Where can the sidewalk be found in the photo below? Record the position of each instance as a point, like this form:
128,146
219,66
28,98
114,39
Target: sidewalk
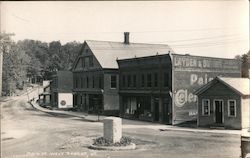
134,124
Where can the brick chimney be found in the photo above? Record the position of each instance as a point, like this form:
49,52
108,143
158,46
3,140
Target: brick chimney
126,37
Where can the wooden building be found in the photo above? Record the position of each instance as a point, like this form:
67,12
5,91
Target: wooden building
95,72
61,86
58,94
45,97
189,73
161,88
224,102
145,86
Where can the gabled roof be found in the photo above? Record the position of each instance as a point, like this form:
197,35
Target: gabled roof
239,85
108,52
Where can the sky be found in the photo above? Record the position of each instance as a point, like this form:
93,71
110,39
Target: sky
206,28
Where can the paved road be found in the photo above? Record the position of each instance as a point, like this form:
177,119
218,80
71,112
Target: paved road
27,132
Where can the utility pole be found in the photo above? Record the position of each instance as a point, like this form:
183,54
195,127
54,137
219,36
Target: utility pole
4,43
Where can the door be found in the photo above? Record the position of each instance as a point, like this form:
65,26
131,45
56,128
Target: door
218,111
156,109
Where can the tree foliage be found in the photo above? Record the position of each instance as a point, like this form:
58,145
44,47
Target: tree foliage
27,59
245,64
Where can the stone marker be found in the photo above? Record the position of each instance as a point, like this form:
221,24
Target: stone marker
112,129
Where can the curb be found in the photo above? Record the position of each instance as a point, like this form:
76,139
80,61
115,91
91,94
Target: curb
132,146
56,113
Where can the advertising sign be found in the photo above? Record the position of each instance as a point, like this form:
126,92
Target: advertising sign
65,100
190,73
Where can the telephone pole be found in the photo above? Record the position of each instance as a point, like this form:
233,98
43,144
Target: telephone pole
4,43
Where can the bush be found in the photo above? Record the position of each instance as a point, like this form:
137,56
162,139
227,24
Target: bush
105,142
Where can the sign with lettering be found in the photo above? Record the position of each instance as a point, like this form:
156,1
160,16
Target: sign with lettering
189,74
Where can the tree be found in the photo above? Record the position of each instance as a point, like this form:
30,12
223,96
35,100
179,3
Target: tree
245,63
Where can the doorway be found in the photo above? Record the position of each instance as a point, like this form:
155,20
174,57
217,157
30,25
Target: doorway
218,105
156,109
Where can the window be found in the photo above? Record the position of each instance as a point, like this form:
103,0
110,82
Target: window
100,81
76,82
123,81
113,81
205,107
232,108
93,82
87,82
129,80
134,80
91,64
156,80
142,80
86,61
149,80
81,82
165,80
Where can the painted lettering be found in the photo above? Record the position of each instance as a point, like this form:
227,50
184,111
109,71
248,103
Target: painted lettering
200,80
183,96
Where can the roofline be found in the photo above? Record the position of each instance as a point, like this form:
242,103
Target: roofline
128,59
209,84
204,56
127,44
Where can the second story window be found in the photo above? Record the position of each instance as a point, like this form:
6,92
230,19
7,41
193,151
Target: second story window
156,80
123,81
81,82
93,82
134,80
129,80
149,80
100,81
166,80
76,82
142,80
86,62
113,81
87,82
91,64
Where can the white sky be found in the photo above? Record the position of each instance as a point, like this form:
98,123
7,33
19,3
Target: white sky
207,28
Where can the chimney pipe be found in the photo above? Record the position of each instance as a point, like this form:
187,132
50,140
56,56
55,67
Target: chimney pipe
126,37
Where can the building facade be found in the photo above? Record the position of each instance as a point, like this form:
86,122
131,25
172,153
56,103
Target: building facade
224,102
95,73
145,86
191,72
61,89
172,100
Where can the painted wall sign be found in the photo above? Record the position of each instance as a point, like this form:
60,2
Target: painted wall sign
190,73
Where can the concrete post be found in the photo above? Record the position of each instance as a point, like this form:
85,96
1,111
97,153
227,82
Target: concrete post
112,129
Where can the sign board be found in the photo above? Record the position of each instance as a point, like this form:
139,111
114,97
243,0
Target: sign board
65,100
190,73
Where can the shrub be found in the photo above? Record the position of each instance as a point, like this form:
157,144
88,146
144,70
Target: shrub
105,142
